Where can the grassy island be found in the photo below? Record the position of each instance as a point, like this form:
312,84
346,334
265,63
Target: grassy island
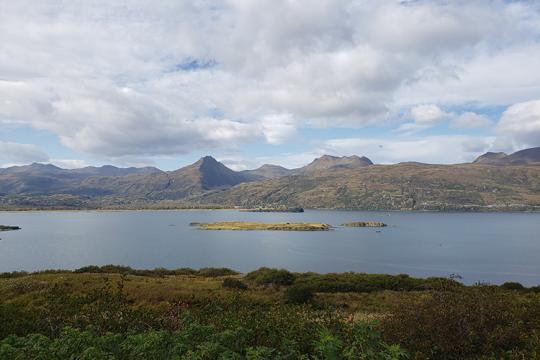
278,209
365,224
9,228
243,225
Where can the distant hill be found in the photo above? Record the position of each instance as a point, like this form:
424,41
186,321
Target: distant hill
523,157
109,170
327,162
267,171
495,181
46,178
406,186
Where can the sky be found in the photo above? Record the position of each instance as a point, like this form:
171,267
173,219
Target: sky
163,83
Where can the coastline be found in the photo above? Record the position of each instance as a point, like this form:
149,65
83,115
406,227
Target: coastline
501,210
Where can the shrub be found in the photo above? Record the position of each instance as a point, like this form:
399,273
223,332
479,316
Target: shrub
13,274
358,282
267,276
231,283
298,294
457,324
216,272
512,286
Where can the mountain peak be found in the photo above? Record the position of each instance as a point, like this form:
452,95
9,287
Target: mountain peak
208,173
207,161
267,171
489,157
326,162
522,157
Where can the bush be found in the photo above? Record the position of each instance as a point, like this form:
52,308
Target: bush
196,341
157,272
458,324
216,272
298,294
231,283
512,286
267,276
358,282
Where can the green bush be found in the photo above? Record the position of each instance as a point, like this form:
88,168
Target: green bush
460,324
216,272
231,283
194,341
157,272
512,286
298,294
267,276
358,282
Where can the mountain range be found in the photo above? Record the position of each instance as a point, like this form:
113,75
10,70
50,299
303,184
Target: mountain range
493,181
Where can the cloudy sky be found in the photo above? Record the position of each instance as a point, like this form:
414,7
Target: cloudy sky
162,83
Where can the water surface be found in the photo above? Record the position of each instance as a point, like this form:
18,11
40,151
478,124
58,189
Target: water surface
488,247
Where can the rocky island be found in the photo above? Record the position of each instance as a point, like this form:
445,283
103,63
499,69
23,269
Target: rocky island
9,228
365,224
243,225
277,209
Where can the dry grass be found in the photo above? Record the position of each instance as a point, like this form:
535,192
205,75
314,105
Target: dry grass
142,290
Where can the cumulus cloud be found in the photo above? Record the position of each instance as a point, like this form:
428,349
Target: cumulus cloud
278,128
135,78
430,149
424,117
15,153
522,123
470,120
69,163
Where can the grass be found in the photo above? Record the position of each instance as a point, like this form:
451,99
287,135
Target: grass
365,224
242,225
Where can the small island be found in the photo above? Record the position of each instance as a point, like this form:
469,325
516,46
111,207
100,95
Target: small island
278,209
9,228
365,224
243,225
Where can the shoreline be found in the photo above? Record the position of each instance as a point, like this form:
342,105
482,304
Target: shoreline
412,211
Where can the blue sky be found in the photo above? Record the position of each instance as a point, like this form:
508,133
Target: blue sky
132,83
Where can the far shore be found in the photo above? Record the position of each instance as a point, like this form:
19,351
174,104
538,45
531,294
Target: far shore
241,209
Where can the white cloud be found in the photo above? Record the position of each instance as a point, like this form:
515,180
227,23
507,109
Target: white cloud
135,78
69,163
15,153
429,114
278,128
521,122
424,117
470,120
430,149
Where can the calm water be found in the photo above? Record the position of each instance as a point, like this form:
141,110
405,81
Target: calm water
480,247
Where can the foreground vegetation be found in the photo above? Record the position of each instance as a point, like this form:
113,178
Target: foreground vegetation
244,225
115,312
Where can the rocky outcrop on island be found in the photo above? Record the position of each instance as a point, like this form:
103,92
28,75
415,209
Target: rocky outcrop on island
9,228
243,225
364,224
